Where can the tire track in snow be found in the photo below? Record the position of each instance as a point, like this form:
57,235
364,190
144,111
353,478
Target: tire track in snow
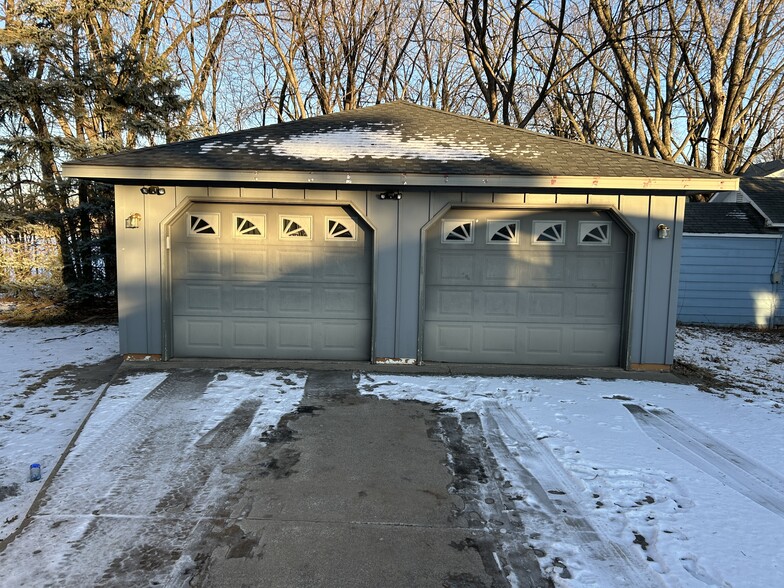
706,453
542,475
134,436
163,476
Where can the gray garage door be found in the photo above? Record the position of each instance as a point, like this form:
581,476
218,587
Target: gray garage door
266,281
525,287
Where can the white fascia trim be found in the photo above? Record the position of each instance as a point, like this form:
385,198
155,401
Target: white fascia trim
734,235
174,175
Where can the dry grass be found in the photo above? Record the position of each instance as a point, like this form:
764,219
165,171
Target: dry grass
38,312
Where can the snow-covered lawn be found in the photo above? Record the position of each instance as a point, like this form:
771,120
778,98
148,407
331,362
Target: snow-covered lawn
42,403
638,481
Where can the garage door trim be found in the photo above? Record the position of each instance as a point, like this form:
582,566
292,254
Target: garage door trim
624,361
187,203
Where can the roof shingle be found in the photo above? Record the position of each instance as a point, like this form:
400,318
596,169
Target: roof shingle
724,218
768,194
399,137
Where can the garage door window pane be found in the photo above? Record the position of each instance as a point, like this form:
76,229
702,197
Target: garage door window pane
204,224
250,225
457,231
295,227
552,232
341,229
503,232
594,233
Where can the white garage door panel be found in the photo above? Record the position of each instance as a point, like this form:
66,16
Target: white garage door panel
524,301
270,294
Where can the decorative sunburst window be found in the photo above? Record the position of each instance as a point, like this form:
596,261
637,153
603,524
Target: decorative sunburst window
552,232
341,229
296,227
250,225
594,233
204,224
457,231
503,232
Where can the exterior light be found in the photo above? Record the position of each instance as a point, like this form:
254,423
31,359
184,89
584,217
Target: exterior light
133,221
156,190
391,195
663,231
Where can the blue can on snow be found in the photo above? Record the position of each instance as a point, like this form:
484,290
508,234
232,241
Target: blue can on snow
35,472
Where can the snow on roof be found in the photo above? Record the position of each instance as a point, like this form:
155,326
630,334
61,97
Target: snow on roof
342,145
396,138
373,142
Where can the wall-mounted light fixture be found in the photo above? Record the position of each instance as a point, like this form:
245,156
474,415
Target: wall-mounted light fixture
156,190
134,221
663,231
390,195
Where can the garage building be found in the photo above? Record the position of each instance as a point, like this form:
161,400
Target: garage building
398,233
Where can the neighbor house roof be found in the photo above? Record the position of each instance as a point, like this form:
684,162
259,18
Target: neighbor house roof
766,168
768,196
398,144
724,218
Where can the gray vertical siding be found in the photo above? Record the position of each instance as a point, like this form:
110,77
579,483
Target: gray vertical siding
725,280
133,297
414,213
658,321
397,242
384,214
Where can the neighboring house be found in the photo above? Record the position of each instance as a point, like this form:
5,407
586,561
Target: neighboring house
732,253
398,233
730,266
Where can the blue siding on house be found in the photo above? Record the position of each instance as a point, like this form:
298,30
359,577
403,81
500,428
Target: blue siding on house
727,281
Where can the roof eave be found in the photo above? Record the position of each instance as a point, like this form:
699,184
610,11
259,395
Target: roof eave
174,175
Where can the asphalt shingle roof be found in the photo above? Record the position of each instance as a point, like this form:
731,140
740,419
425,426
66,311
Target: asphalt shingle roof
765,169
768,194
399,137
724,218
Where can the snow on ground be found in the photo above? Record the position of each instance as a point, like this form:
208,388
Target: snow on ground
674,483
41,405
666,474
155,461
746,363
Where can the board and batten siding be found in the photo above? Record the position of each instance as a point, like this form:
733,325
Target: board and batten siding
398,237
726,280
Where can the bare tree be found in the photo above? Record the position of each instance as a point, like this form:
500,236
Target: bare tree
699,81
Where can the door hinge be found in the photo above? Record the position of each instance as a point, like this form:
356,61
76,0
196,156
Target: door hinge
168,242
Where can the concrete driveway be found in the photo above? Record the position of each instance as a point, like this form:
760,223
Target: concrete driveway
182,487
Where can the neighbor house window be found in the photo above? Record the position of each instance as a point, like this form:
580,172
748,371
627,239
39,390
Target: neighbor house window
594,233
457,231
341,229
203,223
250,225
296,227
553,232
503,232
